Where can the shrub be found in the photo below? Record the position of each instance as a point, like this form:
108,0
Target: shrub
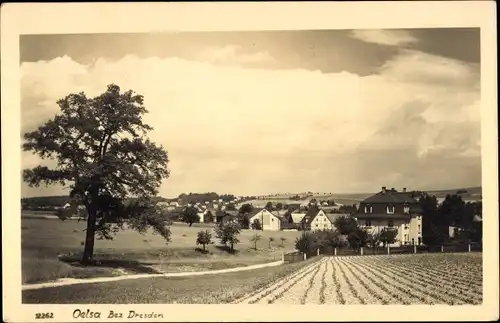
256,225
271,239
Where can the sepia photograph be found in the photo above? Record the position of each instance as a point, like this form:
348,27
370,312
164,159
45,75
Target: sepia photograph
297,166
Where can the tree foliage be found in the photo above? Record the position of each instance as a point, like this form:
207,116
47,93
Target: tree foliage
357,238
204,238
283,239
246,208
332,239
269,206
271,240
255,238
345,225
256,225
190,215
305,242
388,236
103,156
227,233
209,217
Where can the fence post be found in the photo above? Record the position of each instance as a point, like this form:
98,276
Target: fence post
442,249
317,251
414,248
388,250
361,250
469,247
335,251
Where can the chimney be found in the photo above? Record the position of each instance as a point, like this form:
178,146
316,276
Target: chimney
404,189
384,190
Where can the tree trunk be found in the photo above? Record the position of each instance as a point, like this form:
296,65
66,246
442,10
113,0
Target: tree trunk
190,223
203,247
88,251
231,246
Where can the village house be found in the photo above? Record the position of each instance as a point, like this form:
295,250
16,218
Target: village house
271,220
392,209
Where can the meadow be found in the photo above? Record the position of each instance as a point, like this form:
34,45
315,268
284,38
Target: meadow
46,241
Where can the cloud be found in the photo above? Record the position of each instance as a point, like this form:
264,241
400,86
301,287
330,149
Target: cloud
232,54
384,37
251,131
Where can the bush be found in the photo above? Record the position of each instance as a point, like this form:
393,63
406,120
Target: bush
256,225
305,243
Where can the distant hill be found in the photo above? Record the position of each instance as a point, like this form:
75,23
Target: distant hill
467,193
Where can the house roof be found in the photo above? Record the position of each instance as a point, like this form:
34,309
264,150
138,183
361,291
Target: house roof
334,216
254,212
297,217
311,214
391,197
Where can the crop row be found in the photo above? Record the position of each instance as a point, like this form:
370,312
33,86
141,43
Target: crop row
376,280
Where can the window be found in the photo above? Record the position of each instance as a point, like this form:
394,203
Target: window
419,229
390,210
368,209
390,223
368,223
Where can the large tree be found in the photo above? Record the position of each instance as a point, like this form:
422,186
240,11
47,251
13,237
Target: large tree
190,215
103,156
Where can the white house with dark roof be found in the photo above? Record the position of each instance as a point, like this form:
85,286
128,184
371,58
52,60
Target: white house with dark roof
392,209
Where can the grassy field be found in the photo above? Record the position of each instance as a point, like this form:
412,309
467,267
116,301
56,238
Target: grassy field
44,240
212,289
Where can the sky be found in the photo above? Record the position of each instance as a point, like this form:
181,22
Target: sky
250,113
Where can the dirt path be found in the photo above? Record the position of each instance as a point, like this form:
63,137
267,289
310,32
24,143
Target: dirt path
74,281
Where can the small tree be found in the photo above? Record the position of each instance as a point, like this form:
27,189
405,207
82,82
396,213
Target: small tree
373,240
255,238
246,208
304,243
283,239
227,233
271,239
357,239
204,238
346,225
256,225
332,239
190,215
388,236
269,206
243,221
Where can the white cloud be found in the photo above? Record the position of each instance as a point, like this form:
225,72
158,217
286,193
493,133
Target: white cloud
232,54
384,36
241,130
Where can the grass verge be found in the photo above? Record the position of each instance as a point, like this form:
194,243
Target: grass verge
209,289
